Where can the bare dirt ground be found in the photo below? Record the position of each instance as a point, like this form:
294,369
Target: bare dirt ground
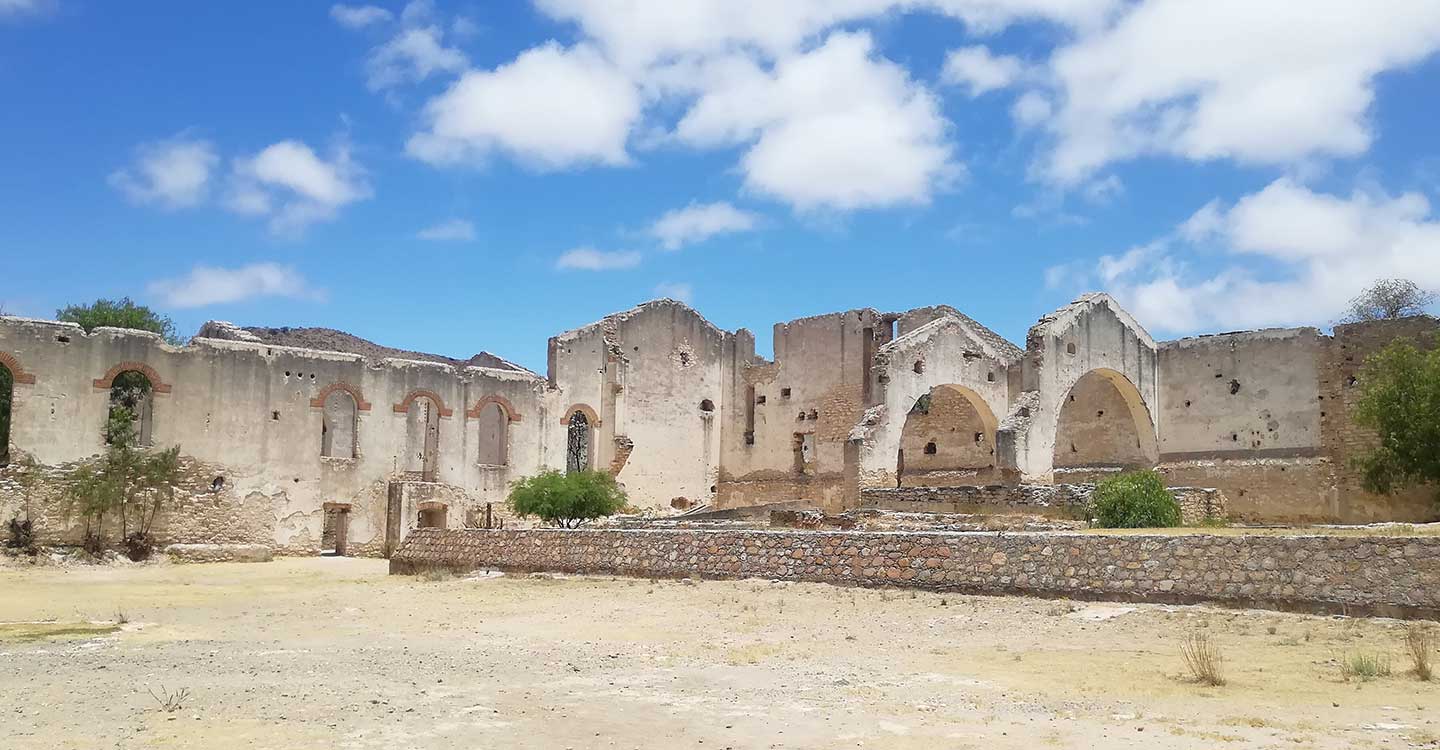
332,652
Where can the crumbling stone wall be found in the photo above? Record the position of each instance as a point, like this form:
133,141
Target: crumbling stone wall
1197,504
1382,575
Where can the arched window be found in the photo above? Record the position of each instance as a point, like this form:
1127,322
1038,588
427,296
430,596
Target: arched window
423,438
494,435
7,395
338,426
577,452
131,407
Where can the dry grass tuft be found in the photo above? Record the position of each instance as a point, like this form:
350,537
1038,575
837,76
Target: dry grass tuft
1420,640
1365,665
1203,658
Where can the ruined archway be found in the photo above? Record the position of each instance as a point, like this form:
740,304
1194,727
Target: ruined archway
1103,422
422,437
7,397
338,426
579,443
132,407
948,439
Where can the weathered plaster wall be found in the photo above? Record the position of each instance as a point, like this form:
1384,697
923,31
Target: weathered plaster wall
1383,575
254,412
1095,427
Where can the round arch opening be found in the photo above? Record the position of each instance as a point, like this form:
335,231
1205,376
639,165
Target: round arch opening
948,439
1103,423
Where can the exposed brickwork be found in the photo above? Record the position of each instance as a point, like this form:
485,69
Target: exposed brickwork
511,413
1385,575
360,403
157,385
18,374
623,447
404,406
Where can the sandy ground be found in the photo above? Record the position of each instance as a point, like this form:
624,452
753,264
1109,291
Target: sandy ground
334,653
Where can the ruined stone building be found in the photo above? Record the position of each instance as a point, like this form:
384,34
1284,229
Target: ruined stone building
297,447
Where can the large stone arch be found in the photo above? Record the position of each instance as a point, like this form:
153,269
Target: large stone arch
1104,422
947,438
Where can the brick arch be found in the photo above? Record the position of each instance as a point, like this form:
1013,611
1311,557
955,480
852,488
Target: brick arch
360,403
504,403
157,385
18,374
590,415
404,406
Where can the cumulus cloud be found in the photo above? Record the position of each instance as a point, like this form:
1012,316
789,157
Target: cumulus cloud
172,174
411,56
978,71
590,259
359,16
835,127
552,107
294,187
1256,82
676,290
698,222
1287,256
451,230
211,285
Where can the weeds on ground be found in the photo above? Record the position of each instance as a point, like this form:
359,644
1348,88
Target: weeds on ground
170,702
1364,665
1420,640
121,616
1203,658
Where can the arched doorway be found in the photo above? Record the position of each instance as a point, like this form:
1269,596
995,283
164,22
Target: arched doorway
422,438
1103,423
7,397
337,428
132,407
578,444
948,439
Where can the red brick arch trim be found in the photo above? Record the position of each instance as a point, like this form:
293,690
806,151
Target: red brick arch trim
505,406
404,406
590,415
156,384
18,375
360,403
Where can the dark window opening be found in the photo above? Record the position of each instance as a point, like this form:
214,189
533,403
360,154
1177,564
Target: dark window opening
1070,348
577,450
131,414
919,366
784,393
990,376
931,449
7,396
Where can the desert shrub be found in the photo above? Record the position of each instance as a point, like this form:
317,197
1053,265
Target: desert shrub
1134,500
1420,640
1203,658
20,535
1365,665
567,500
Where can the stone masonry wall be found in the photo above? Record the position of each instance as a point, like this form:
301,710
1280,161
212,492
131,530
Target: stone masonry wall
1197,504
1392,576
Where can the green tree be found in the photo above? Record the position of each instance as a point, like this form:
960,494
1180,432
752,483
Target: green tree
567,500
121,313
127,483
1400,401
1134,500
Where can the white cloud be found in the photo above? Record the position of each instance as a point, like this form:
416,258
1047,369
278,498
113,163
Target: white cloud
1256,82
1291,256
359,16
1031,109
698,222
552,107
590,259
210,285
173,173
978,71
17,8
1104,190
411,56
451,230
676,290
294,187
831,128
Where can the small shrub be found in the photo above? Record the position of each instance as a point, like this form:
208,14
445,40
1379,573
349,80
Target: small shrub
20,535
567,500
1365,665
1203,658
170,702
138,546
1134,500
1420,640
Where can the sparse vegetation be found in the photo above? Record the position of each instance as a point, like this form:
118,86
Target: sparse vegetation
1388,298
567,500
1364,665
20,535
1400,401
1420,641
128,482
1134,500
121,313
1203,658
170,702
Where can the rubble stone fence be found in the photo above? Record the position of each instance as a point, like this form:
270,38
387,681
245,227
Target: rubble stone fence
1362,575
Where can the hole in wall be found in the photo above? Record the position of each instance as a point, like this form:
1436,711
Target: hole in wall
62,338
784,393
287,373
814,414
217,484
274,416
759,399
931,449
919,366
1350,380
707,405
1070,348
1187,403
1234,387
990,376
979,437
1100,413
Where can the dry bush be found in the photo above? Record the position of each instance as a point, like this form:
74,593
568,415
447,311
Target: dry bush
170,702
1365,665
1420,640
1203,658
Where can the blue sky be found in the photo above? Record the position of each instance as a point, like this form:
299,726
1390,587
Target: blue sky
482,175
